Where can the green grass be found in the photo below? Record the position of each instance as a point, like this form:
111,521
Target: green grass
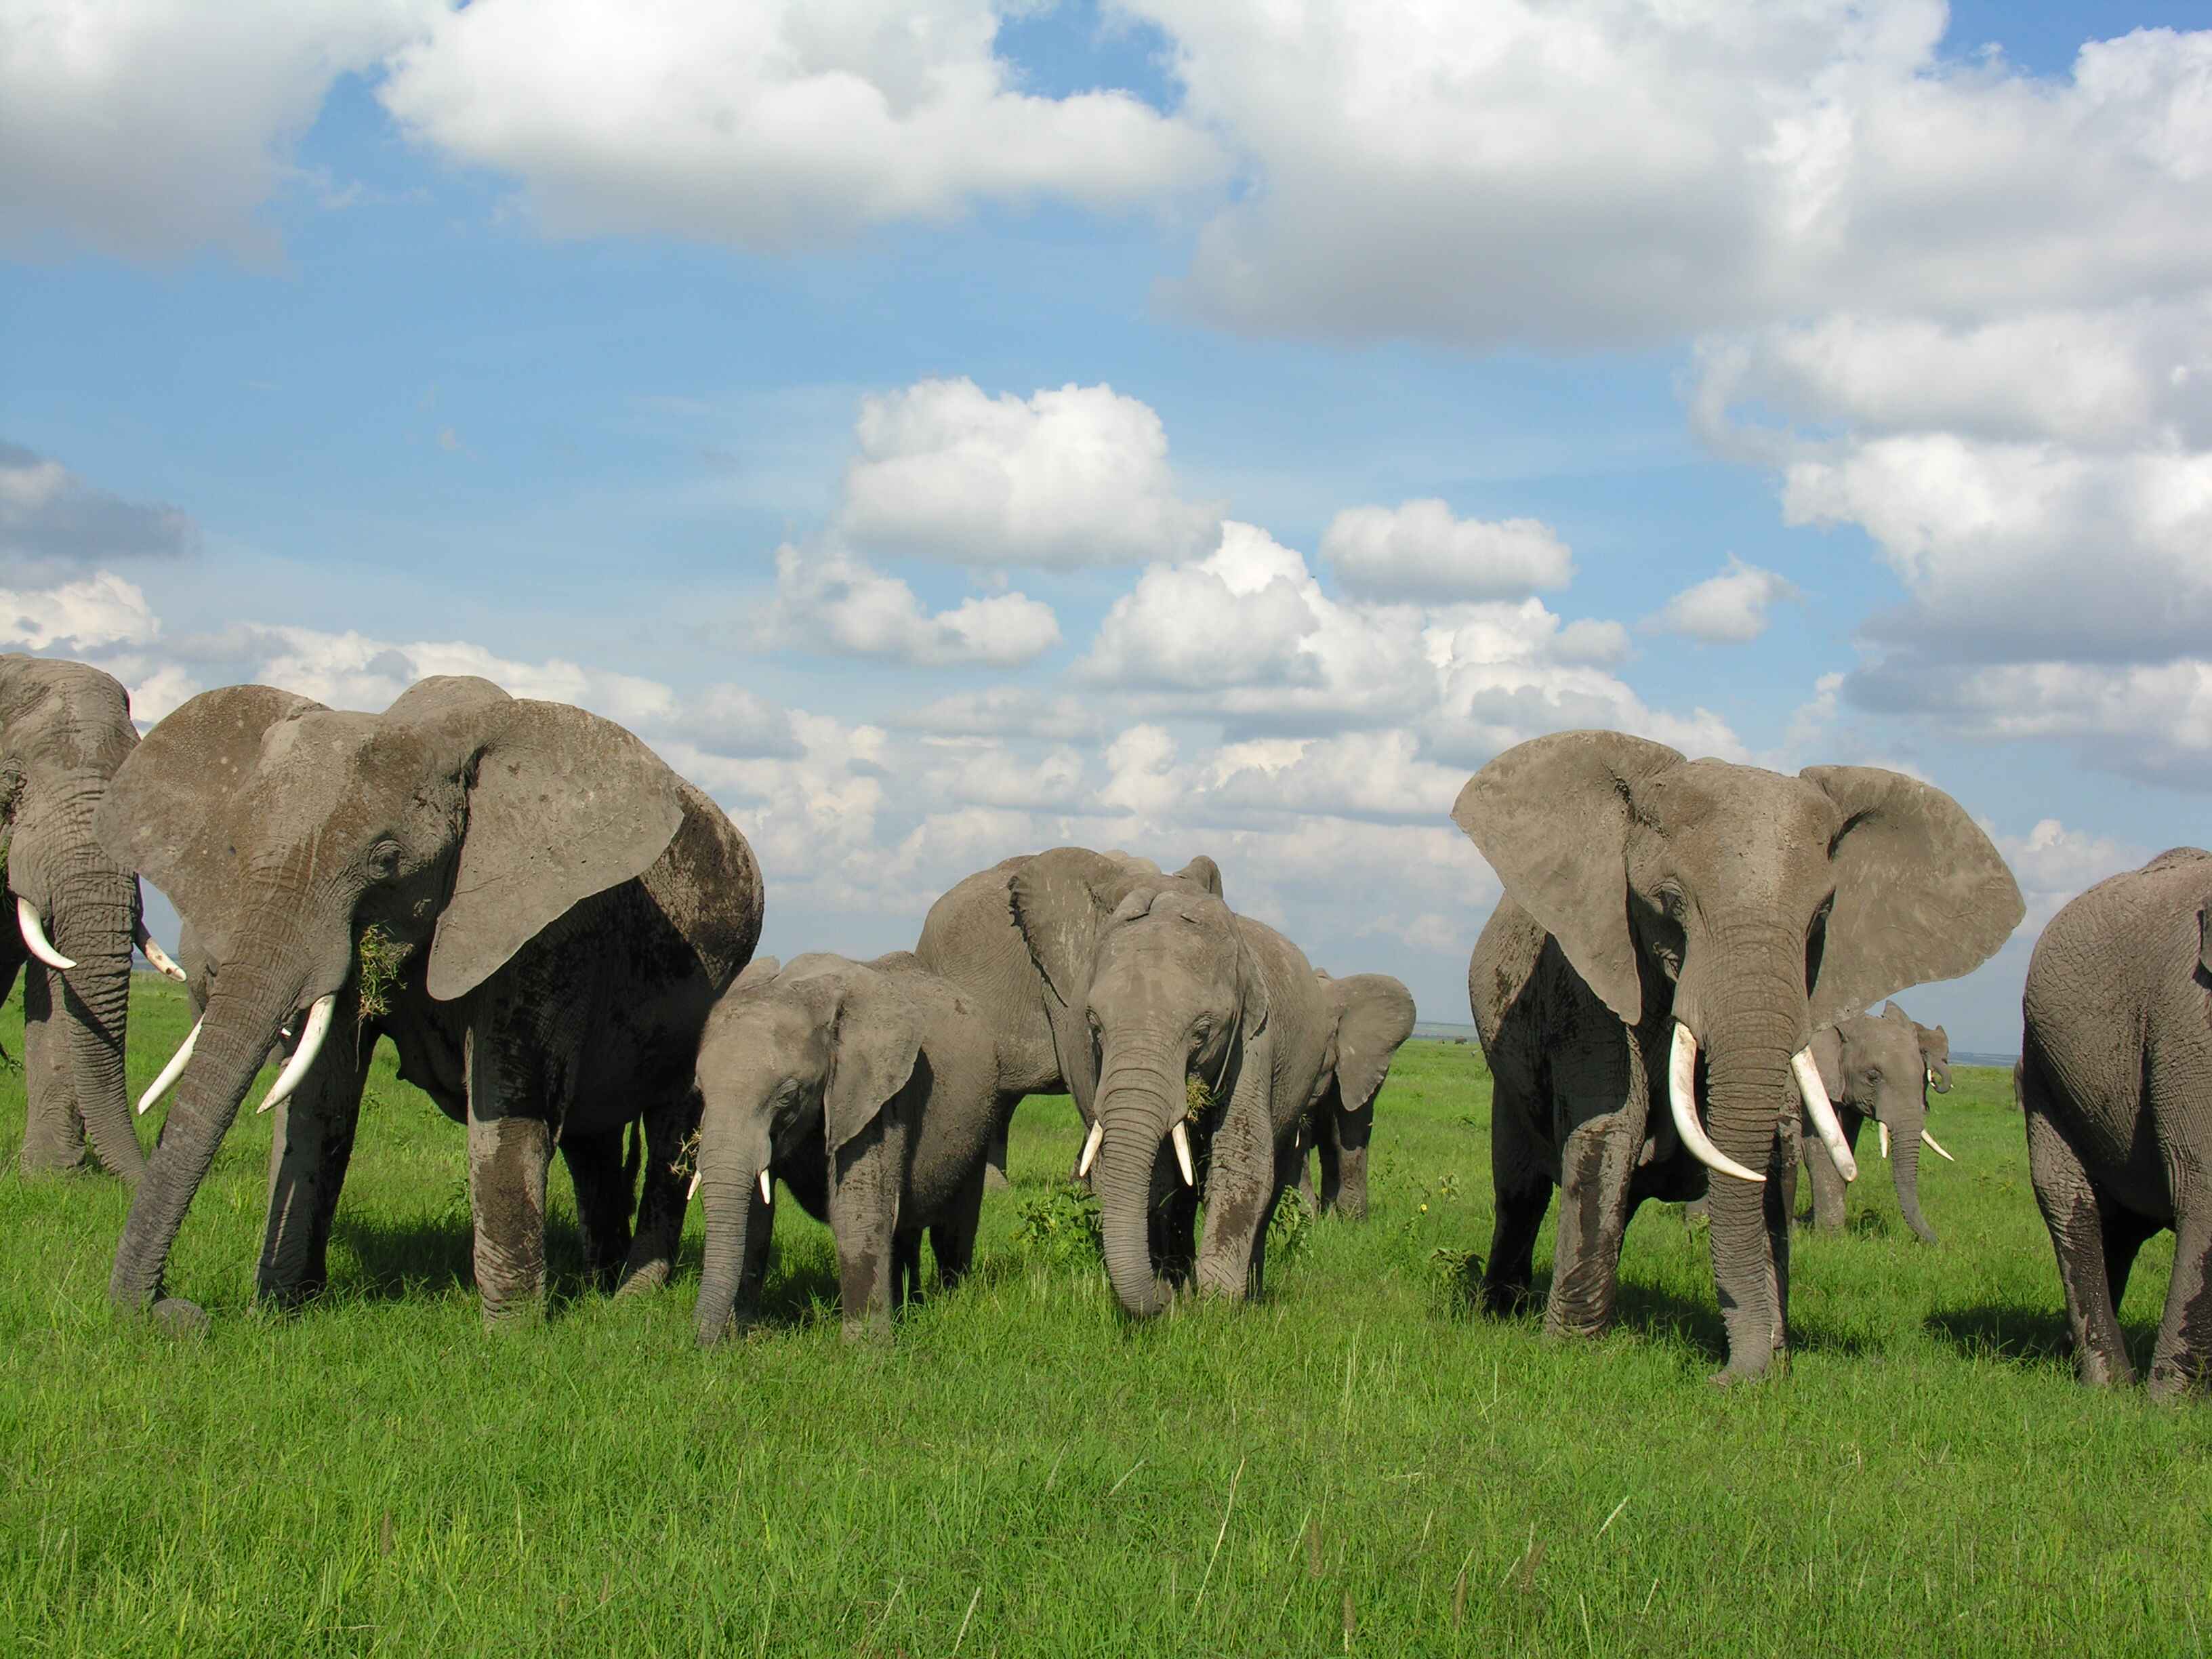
1354,1464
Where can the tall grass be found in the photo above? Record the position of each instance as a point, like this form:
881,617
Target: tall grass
1354,1464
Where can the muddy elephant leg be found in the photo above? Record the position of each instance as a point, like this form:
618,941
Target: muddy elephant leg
952,1236
603,1187
310,1146
865,1177
510,1148
1241,1186
1523,1193
54,1127
667,1129
2178,1363
1595,1167
2074,1211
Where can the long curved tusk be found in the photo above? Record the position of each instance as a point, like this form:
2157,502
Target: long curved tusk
34,935
310,1044
1180,1135
1884,1128
1090,1144
161,960
1819,1108
1937,1148
767,1197
1681,1089
692,1191
174,1069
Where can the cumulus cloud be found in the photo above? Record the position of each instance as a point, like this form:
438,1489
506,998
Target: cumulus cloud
48,512
1729,609
96,611
1078,476
830,600
1419,550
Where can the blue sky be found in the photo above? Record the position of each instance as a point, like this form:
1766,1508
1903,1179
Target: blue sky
852,400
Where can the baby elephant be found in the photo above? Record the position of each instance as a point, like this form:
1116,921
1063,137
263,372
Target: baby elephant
870,1089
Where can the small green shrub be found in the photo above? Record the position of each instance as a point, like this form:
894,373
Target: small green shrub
1289,1230
1061,1228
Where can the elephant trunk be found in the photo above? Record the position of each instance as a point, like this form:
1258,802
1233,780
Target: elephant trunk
738,1221
1939,1076
1905,1168
1344,1163
249,1001
93,912
1140,1095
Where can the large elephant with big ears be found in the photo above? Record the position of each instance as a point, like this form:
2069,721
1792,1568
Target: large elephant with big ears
1685,926
565,909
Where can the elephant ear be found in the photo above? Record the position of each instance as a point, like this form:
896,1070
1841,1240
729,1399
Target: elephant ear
1921,893
169,811
874,1049
1060,899
1552,815
1203,873
756,973
1375,1016
1828,1055
562,805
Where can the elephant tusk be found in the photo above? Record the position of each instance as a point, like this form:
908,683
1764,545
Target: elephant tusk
692,1191
35,936
1681,1089
1931,1077
161,960
1180,1135
1937,1148
767,1196
1090,1143
174,1069
1819,1108
1884,1128
310,1044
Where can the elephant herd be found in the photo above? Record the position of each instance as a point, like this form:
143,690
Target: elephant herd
556,934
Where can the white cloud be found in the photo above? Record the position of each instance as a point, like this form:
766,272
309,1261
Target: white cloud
828,599
1419,550
1063,478
774,125
2053,863
1728,609
86,615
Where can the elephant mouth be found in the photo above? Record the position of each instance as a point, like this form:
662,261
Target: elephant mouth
314,1028
1682,1101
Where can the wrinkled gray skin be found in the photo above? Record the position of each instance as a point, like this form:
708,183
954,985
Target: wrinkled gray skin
2115,1078
1878,1067
571,908
1643,890
1152,983
64,728
971,938
1372,1016
868,1089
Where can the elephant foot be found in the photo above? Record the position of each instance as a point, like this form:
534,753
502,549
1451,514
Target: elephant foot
646,1277
1507,1301
177,1317
518,1313
1774,1366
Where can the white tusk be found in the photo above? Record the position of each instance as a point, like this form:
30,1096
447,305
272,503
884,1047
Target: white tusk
1089,1148
1681,1088
1937,1148
692,1191
1180,1135
767,1197
1884,1128
161,961
1931,1077
34,935
1823,1113
174,1069
310,1044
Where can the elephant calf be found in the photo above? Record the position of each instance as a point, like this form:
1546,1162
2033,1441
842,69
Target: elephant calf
1880,1066
2115,1078
1374,1015
870,1089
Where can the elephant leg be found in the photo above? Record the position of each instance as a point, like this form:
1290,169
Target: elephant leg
865,1175
1522,1189
1174,1227
666,1127
1830,1194
602,1183
510,1149
2074,1211
1240,1188
1781,1209
1595,1168
953,1236
2125,1234
310,1148
2180,1361
1313,1141
54,1127
995,1156
906,1268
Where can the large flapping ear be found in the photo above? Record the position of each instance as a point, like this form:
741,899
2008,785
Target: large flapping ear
1203,873
1375,1016
1060,900
169,811
1828,1055
1552,815
1921,893
1254,1005
874,1047
562,805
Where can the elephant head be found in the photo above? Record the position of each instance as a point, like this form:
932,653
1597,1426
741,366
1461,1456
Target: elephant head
1742,910
794,1067
1877,1066
1935,1051
1374,1015
1156,970
64,729
462,822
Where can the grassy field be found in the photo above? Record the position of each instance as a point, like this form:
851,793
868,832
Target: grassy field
1354,1465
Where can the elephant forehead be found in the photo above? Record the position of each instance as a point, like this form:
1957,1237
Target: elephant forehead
1738,808
328,767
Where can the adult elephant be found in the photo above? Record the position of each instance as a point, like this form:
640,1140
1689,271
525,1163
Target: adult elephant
1694,921
2115,1077
64,729
970,937
1372,1017
1879,1068
567,909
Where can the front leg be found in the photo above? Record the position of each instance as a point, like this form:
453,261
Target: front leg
510,1147
1240,1192
952,1235
309,1149
865,1177
1602,1096
668,1128
604,1184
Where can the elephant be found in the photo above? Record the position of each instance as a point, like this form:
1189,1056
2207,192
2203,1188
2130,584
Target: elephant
1878,1067
868,1089
1154,983
564,909
2115,1079
970,937
64,729
1695,922
1373,1017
